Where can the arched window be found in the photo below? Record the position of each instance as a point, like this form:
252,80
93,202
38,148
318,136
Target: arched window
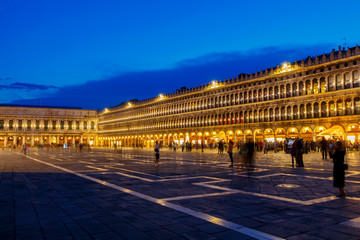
271,93
246,117
261,116
283,114
260,95
288,113
277,94
92,125
316,110
302,111
315,86
340,107
347,80
295,90
85,125
356,82
250,97
255,97
322,85
245,97
277,114
331,81
255,116
301,89
282,91
251,116
348,106
357,105
323,109
308,110
339,83
332,109
271,115
288,90
265,94
295,112
266,115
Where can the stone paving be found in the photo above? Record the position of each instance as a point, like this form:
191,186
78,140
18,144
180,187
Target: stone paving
64,194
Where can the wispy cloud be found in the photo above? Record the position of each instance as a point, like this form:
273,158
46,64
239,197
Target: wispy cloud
190,73
26,86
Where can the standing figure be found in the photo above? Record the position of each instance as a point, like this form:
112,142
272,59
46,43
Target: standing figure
339,170
324,148
157,153
230,152
25,148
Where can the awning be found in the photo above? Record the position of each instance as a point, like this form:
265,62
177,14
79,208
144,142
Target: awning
333,131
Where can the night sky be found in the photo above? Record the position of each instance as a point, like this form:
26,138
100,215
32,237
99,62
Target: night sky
96,54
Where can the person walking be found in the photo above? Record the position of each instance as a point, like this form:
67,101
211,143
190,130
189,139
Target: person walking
339,170
230,152
324,148
157,153
25,148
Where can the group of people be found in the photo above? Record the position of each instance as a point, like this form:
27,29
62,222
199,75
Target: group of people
337,151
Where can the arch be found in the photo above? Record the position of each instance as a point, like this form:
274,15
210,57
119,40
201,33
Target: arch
339,107
292,132
280,134
258,134
269,135
353,133
306,133
331,83
357,105
356,79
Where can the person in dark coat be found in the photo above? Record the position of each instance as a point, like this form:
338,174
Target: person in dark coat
339,170
324,148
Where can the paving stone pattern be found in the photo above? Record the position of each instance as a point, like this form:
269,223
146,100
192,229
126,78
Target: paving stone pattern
40,201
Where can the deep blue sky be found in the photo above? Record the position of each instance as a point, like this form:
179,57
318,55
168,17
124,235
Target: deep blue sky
94,54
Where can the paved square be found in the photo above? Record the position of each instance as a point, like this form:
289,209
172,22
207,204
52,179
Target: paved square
64,194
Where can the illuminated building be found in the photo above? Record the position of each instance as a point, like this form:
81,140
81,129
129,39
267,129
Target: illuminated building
39,125
315,97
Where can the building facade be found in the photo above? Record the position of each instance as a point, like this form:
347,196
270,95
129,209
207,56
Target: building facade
50,125
315,97
311,98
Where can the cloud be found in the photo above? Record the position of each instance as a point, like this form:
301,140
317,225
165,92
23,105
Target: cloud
101,93
25,86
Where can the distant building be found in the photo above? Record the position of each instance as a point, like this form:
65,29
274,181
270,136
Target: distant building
36,125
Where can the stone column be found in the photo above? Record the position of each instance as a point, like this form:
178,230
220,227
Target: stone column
5,141
81,139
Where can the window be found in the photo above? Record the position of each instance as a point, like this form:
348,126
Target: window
92,125
46,125
20,124
70,125
37,124
339,83
1,124
347,80
331,80
11,124
28,124
62,125
53,125
85,125
77,125
356,79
